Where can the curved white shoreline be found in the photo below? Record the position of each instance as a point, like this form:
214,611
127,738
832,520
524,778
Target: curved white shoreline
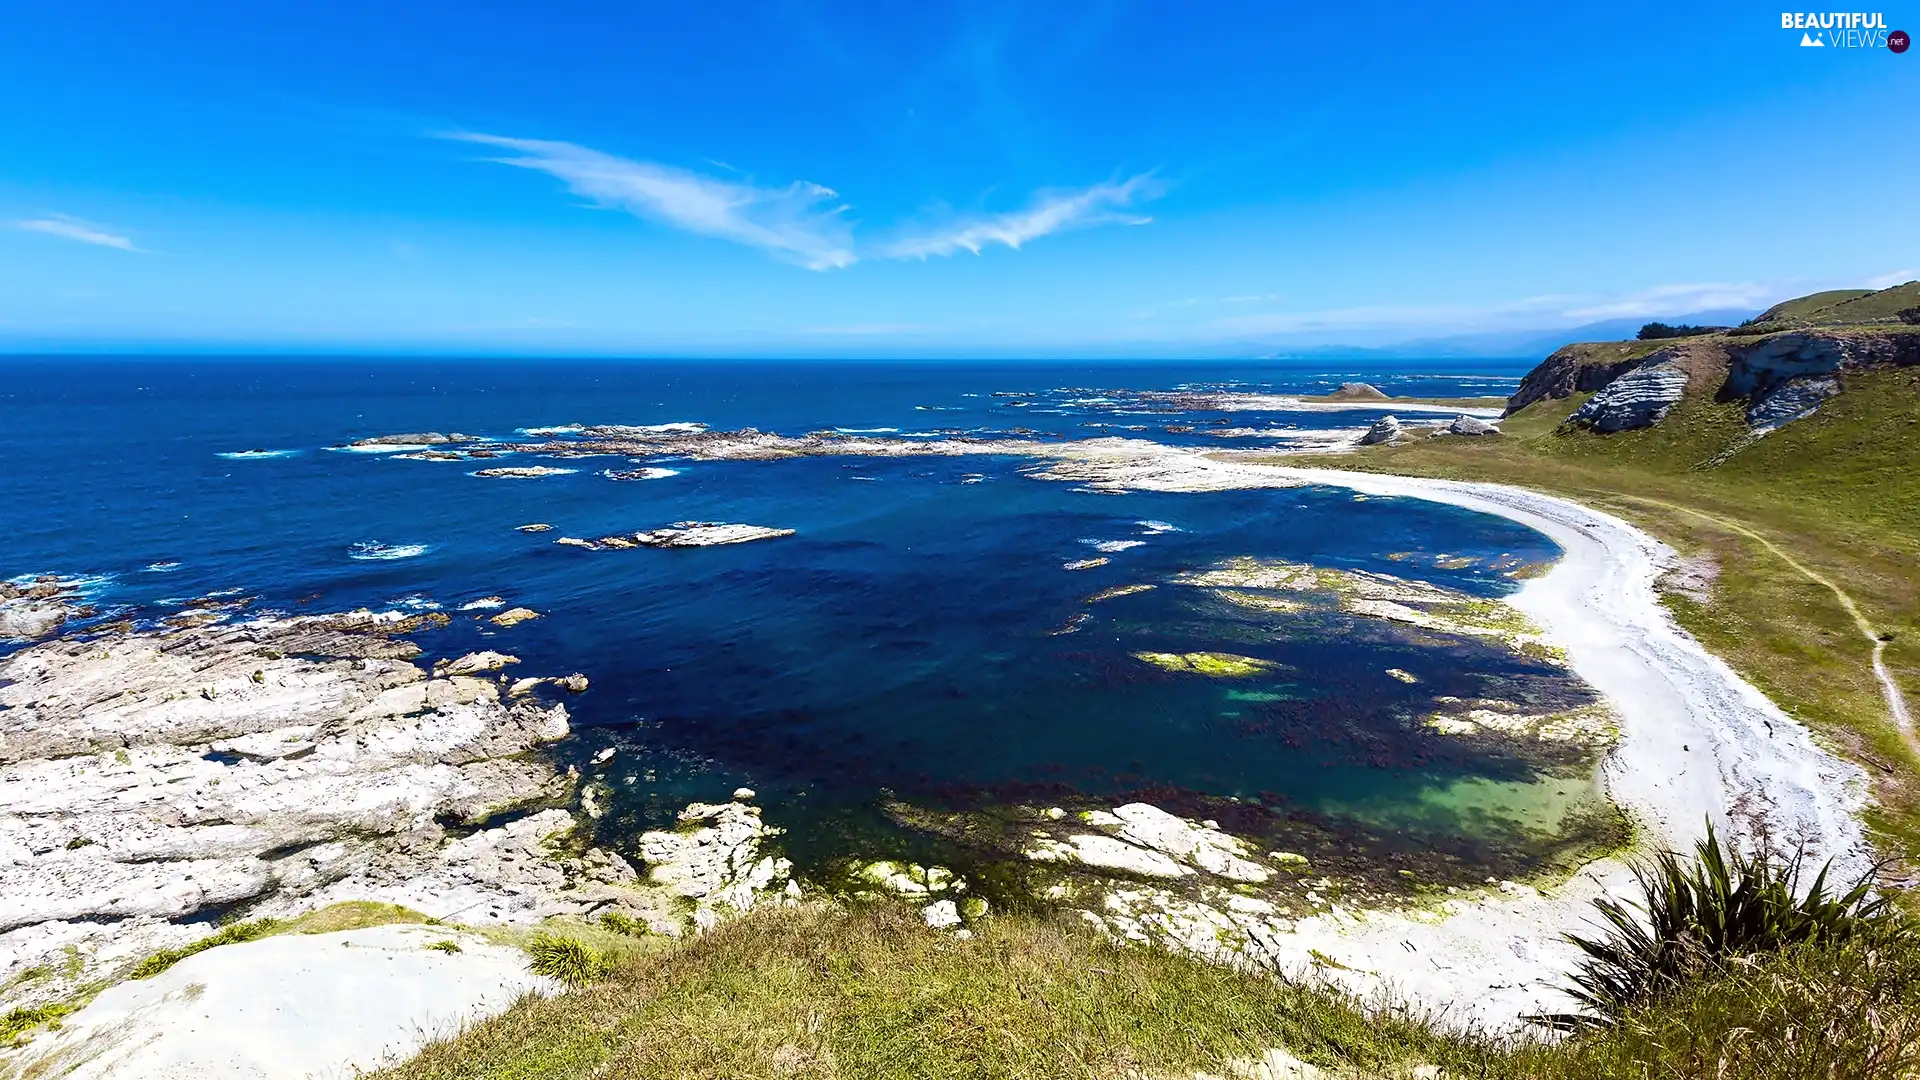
1697,743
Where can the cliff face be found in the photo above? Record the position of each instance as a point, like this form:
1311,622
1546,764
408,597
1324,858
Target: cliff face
1575,369
1780,377
1782,365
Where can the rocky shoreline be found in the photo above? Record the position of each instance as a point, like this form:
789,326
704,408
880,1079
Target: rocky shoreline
154,781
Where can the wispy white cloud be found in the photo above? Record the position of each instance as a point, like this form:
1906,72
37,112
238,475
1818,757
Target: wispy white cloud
1679,300
1897,277
1050,212
802,222
70,228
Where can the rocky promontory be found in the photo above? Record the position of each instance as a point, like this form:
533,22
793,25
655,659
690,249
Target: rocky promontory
150,780
32,608
1779,368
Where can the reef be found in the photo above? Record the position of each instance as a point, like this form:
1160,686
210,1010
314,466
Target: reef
681,534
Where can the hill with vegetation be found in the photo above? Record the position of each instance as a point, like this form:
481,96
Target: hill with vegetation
1782,466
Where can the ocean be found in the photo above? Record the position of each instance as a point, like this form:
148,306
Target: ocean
915,653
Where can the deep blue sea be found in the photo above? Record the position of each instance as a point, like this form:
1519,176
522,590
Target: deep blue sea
900,649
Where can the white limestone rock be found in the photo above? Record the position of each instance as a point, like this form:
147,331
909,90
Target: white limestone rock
1793,399
1385,431
1470,425
277,763
1144,840
714,858
942,915
289,1007
1640,398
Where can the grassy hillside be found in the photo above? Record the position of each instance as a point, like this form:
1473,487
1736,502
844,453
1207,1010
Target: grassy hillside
869,993
1805,307
1845,306
1834,494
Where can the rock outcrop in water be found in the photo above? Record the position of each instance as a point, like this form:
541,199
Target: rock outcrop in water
30,610
715,860
681,534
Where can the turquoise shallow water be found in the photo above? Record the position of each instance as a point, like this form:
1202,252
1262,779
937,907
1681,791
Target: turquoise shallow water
904,648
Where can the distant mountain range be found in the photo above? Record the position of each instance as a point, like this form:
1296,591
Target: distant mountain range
1491,344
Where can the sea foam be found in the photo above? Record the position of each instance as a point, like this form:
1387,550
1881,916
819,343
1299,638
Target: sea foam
373,550
254,455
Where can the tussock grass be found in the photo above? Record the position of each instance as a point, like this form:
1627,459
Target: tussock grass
1698,917
567,959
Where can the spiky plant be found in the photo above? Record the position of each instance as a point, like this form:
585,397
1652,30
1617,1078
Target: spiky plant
567,959
1695,916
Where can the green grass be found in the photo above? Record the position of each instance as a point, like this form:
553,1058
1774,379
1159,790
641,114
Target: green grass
1843,306
1832,494
869,993
237,932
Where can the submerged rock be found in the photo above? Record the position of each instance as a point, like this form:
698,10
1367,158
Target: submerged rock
523,472
1217,665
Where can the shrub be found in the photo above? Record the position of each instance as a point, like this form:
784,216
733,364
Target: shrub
567,959
1654,331
448,946
622,923
1694,918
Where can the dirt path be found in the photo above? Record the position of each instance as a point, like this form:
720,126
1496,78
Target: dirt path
1896,701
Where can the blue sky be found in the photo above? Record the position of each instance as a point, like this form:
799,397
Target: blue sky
967,179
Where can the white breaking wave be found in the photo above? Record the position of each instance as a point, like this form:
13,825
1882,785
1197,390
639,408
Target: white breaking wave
162,567
1113,545
252,455
415,602
1155,528
484,604
866,430
374,550
381,448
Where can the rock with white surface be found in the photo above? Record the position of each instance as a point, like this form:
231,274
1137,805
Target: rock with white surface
290,1007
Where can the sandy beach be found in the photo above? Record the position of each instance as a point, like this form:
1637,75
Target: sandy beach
1698,743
